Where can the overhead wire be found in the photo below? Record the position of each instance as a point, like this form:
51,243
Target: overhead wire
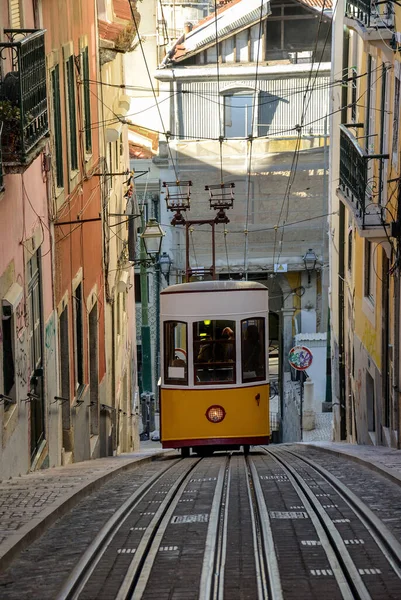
305,104
250,142
167,136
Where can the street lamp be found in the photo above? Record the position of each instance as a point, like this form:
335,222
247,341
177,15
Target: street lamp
165,263
152,237
150,245
310,260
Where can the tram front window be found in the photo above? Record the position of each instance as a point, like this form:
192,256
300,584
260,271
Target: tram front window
214,352
253,350
175,353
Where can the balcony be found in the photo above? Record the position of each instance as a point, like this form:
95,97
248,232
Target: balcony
371,15
23,102
361,182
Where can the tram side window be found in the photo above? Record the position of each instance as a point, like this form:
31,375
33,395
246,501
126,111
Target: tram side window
253,350
175,353
214,352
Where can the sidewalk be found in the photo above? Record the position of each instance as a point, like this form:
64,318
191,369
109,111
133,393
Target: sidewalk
383,460
31,503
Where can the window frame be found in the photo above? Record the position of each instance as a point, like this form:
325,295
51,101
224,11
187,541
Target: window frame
71,113
78,324
232,364
87,117
172,380
57,127
396,114
370,272
254,105
257,378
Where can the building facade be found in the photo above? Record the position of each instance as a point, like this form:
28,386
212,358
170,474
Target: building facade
364,228
29,423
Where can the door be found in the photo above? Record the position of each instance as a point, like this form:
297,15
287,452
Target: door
35,328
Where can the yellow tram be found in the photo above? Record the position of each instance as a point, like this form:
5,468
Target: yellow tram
215,381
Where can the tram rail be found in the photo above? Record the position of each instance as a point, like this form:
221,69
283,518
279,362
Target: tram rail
346,571
88,562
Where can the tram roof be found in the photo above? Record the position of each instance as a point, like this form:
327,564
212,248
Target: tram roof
213,286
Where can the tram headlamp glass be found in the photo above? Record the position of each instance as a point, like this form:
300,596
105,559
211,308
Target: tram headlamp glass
215,414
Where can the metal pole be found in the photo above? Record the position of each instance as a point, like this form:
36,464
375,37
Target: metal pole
187,252
145,329
302,405
214,250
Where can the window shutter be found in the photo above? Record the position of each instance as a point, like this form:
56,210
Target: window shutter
15,14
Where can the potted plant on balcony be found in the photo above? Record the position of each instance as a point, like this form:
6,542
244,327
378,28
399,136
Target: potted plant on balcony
10,115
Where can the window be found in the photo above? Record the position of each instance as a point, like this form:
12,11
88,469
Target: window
354,81
238,109
8,356
15,16
72,119
370,270
58,141
214,352
86,96
35,311
396,114
78,339
350,240
175,353
253,350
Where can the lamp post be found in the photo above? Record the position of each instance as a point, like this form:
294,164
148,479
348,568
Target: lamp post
310,260
165,263
150,245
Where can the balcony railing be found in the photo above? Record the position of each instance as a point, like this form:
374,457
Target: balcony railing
23,102
361,181
370,13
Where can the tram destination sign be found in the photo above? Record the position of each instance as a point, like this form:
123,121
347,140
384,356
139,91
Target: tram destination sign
300,358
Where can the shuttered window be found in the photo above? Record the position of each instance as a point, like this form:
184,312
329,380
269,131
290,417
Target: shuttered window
72,118
58,141
15,14
87,106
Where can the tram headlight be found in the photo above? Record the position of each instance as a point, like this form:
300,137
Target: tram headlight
215,414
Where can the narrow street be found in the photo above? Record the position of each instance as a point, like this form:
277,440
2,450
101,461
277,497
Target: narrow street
288,522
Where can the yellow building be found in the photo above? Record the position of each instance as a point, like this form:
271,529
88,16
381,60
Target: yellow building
365,167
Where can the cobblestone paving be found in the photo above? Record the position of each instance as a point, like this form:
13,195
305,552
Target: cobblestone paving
40,570
381,495
24,500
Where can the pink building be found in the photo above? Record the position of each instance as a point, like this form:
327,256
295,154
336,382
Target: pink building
28,422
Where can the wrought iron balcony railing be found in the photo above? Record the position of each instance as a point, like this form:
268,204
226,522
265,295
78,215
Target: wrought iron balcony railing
23,101
361,181
370,13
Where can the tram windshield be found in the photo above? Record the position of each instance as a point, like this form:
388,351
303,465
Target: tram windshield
253,350
214,352
175,353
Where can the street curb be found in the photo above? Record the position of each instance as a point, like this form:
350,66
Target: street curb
30,532
386,472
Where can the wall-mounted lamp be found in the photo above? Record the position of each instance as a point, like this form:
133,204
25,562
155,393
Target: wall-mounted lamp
310,260
165,262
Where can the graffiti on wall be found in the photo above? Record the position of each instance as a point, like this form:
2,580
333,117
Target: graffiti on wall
50,334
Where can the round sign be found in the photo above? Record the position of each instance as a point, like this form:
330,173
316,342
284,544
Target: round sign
300,358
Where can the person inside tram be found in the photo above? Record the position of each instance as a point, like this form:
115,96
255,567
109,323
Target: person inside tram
205,353
229,347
